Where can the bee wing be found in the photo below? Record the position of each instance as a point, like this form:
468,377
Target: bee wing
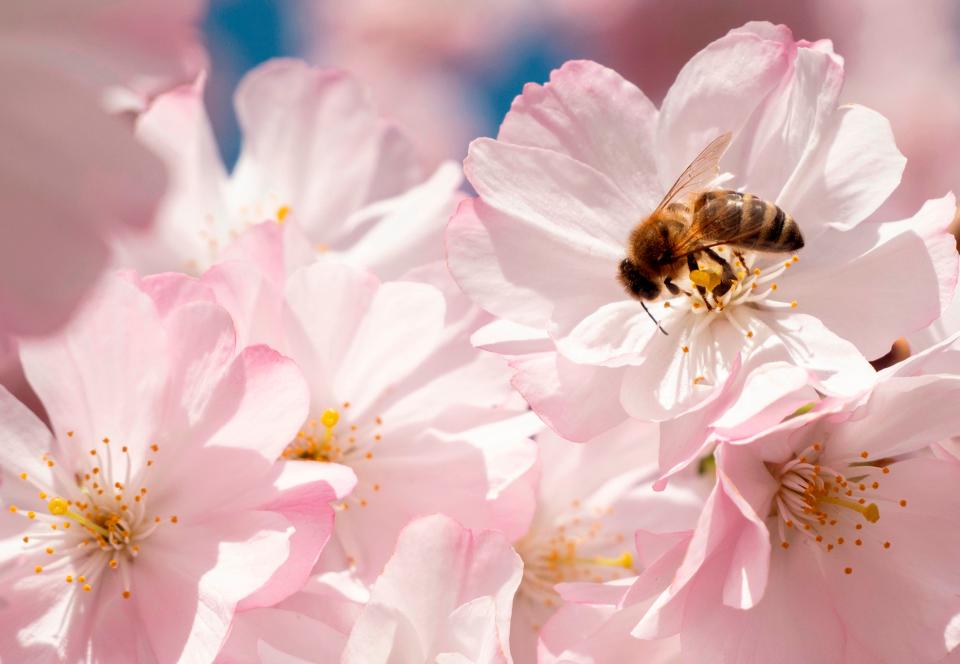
701,171
714,231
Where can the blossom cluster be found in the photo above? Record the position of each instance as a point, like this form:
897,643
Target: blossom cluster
328,406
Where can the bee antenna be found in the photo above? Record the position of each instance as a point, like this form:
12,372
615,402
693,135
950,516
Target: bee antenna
655,321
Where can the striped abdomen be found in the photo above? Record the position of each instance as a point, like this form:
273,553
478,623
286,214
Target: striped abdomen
745,220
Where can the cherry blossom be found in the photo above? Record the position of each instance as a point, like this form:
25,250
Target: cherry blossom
315,153
397,391
581,160
72,175
444,596
592,498
836,524
154,506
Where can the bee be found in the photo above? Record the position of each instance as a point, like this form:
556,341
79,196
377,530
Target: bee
691,220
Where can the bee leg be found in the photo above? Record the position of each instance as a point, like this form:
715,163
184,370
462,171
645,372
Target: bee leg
728,277
743,261
674,289
692,265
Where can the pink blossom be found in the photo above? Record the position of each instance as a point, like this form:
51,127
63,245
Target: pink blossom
73,175
444,596
591,500
154,505
397,392
831,536
581,160
315,153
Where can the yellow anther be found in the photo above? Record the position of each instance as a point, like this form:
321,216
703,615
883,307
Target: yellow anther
330,418
58,506
282,213
61,507
708,280
793,304
625,561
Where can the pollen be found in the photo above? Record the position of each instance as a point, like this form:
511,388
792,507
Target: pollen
793,304
126,594
330,418
58,506
903,503
282,213
686,349
848,570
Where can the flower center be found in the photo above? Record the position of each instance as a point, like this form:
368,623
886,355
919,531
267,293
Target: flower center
828,508
577,548
332,440
705,293
97,524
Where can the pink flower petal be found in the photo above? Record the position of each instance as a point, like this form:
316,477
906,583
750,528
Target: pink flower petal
576,113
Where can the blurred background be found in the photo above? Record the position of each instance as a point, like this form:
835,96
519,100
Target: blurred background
447,70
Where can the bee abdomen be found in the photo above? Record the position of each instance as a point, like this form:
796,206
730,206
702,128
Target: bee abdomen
768,226
747,221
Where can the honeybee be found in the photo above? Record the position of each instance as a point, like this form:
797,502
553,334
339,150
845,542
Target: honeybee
690,221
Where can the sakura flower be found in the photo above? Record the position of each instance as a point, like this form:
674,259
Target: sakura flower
829,537
397,392
593,625
154,506
444,596
315,153
581,160
591,500
73,175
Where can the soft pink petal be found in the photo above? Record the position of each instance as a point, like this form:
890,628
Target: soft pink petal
554,193
578,112
305,128
315,294
791,624
451,472
578,401
886,424
409,233
438,567
795,119
192,224
111,355
23,440
306,503
717,91
853,170
836,362
265,399
666,380
912,587
187,590
402,315
874,272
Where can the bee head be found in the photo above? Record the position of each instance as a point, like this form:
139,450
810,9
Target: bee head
637,284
